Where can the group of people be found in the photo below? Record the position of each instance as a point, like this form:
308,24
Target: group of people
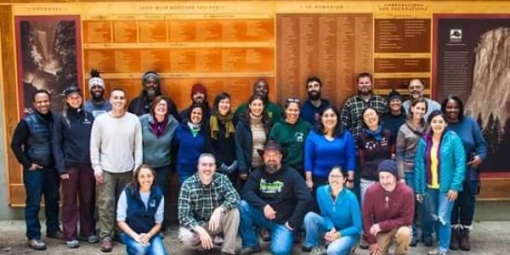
258,170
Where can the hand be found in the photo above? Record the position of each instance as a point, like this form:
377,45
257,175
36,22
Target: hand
452,195
243,177
145,238
309,184
205,239
99,177
477,161
373,248
332,235
214,220
138,239
419,198
269,213
34,166
64,176
375,229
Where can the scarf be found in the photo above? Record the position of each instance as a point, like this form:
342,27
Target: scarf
195,128
227,120
378,134
159,127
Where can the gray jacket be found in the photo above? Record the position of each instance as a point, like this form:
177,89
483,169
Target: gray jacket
407,142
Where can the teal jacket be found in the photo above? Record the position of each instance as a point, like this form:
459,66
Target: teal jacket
452,164
156,150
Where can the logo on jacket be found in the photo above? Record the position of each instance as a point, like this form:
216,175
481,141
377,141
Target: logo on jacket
300,137
270,187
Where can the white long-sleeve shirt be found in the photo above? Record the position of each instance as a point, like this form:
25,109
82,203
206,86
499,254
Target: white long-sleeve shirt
116,143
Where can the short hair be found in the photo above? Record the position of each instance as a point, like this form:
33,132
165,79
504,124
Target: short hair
40,91
312,79
458,101
117,89
363,75
156,100
206,155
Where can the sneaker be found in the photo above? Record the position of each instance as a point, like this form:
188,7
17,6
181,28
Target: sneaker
318,251
36,244
437,252
106,245
55,235
92,239
73,244
250,250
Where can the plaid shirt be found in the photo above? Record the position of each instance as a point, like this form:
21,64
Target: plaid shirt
197,203
353,108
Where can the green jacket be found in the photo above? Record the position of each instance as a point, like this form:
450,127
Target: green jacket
292,138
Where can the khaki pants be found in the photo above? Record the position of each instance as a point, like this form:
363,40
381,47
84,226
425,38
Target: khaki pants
229,226
402,236
108,193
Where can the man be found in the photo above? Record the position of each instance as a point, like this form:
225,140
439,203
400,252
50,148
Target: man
198,96
207,208
151,88
354,106
416,90
276,198
396,116
115,151
388,211
31,144
274,111
314,105
96,104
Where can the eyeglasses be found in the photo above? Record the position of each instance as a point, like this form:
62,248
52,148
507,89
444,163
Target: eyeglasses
293,100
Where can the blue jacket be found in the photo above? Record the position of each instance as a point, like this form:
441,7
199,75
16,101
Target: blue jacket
452,164
138,217
71,139
343,213
189,148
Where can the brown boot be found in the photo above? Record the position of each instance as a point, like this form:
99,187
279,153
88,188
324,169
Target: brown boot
464,240
454,242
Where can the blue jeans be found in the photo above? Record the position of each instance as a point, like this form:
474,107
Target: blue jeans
162,176
281,236
156,246
464,207
315,227
426,222
41,182
440,209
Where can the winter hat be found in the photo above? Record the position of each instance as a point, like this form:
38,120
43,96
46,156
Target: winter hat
96,79
198,88
71,89
150,74
394,95
389,166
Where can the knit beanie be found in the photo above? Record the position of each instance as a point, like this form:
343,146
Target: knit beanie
394,95
96,79
198,88
389,166
150,74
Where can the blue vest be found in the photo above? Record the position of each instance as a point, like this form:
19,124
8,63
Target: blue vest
138,217
38,144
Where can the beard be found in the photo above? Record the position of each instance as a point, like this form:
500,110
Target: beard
152,92
314,95
97,96
272,167
365,92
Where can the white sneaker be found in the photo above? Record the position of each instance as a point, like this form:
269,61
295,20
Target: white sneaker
318,251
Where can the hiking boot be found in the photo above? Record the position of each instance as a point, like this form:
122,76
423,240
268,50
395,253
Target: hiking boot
106,245
428,241
363,244
265,235
73,244
36,244
464,240
250,250
55,235
454,242
306,249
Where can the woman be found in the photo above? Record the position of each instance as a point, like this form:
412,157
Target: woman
221,140
327,146
158,129
339,222
291,134
440,165
408,137
190,142
140,214
476,151
374,146
71,149
251,136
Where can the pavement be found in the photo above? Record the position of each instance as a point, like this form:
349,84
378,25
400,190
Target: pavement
488,238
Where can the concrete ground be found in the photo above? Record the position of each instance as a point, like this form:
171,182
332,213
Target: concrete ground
488,238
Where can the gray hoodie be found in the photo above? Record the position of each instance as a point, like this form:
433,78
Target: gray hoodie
407,142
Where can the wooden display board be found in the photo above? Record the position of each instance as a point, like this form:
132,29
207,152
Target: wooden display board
227,45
